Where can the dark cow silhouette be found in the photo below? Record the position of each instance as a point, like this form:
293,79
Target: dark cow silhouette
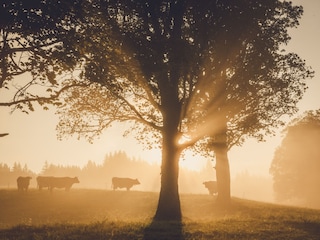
44,182
211,186
124,183
23,183
56,182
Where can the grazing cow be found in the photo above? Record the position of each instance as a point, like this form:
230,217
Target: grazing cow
211,186
124,183
44,182
56,182
23,183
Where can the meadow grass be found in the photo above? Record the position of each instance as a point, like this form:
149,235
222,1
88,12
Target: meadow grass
100,214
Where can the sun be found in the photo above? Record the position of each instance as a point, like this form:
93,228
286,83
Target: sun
192,161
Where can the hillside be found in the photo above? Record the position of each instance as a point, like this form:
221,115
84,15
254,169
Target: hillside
98,214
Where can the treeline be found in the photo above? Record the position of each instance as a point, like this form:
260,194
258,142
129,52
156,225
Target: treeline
8,176
117,164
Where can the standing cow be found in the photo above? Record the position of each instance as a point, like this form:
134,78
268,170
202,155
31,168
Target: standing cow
211,186
44,182
23,183
56,182
124,183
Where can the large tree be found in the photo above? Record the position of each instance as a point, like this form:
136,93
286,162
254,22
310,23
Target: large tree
187,71
296,162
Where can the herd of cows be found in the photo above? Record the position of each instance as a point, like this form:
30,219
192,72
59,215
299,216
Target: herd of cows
47,182
67,182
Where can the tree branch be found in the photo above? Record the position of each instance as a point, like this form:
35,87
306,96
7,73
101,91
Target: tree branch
54,96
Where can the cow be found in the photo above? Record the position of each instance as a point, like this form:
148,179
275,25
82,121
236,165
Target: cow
211,186
23,183
56,182
44,182
124,183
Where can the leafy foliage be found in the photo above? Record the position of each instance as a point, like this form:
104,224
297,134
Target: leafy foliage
31,36
178,68
296,163
203,60
196,60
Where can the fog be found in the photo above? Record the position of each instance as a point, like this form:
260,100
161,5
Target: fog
244,185
98,176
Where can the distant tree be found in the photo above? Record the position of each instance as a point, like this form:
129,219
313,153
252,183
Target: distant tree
4,167
60,170
90,165
45,168
25,168
17,168
4,174
119,164
175,69
8,176
208,172
296,163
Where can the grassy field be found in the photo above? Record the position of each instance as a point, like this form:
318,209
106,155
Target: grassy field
99,214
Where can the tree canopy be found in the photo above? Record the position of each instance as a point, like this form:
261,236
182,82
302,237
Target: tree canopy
139,42
296,162
182,69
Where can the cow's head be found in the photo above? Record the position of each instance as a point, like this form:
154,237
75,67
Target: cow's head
76,180
136,181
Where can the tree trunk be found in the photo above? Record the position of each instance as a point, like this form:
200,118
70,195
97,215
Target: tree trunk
223,175
220,148
169,201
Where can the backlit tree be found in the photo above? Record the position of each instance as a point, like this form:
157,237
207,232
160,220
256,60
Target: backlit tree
180,71
296,162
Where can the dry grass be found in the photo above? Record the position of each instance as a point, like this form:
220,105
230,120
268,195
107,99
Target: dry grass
98,214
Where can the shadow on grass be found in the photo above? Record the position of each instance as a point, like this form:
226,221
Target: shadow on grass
159,230
311,227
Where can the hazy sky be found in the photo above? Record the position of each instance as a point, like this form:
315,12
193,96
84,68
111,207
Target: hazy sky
32,138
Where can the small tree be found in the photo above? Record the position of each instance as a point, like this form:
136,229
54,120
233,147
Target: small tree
296,163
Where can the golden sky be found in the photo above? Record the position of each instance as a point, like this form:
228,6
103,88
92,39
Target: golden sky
32,138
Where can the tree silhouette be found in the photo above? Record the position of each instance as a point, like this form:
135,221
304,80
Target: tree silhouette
180,71
296,163
30,33
207,78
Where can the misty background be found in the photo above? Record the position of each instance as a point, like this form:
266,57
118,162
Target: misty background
119,164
